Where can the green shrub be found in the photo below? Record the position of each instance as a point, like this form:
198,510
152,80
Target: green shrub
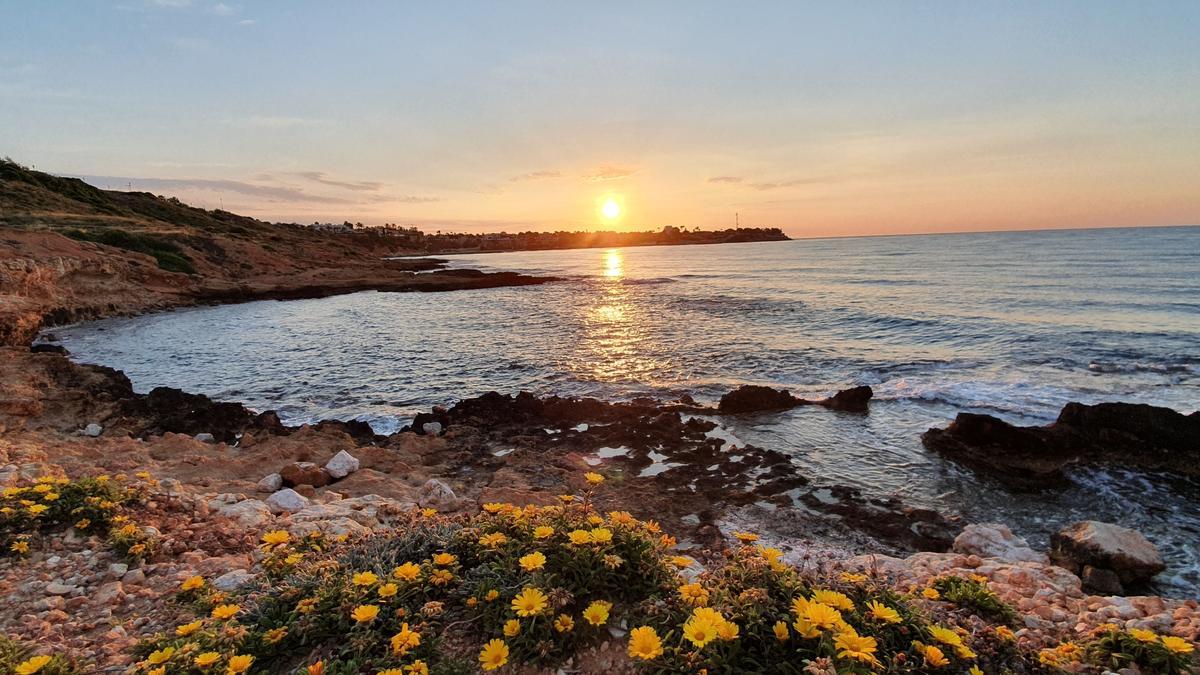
169,255
975,595
53,503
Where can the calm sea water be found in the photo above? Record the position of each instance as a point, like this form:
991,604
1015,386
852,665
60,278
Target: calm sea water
1013,324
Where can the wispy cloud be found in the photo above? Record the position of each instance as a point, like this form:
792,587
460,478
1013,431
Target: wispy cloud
247,22
725,179
608,172
763,186
222,9
169,3
271,193
536,175
320,177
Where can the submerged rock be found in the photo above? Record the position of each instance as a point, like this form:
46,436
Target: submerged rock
1104,546
755,398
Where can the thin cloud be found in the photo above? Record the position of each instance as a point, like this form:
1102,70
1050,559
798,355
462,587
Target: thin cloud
536,175
320,177
222,9
763,186
725,179
609,172
247,22
271,193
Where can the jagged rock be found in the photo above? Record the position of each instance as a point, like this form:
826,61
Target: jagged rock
304,473
93,430
270,483
109,593
993,540
437,495
205,437
850,400
754,398
286,500
341,465
233,580
1105,546
43,348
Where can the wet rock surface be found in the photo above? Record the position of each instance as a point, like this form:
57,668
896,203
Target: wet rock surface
755,398
1109,556
1119,433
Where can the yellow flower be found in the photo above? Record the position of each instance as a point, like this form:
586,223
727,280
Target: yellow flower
390,671
187,628
429,513
441,577
771,555
512,628
727,630
533,561
306,606
781,631
593,478
42,487
239,664
833,599
206,659
387,590
407,572
946,636
699,631
31,666
644,644
881,612
83,523
37,509
601,535
543,532
934,657
529,602
129,530
564,623
979,578
364,579
745,537
566,499
493,540
365,613
276,537
50,496
494,655
1177,645
853,646
495,507
1005,633
597,612
275,635
680,561
931,593
405,640
317,668
579,537
161,656
417,667
974,670
445,559
161,670
694,594
852,578
20,547
223,612
293,558
1142,635
192,583
491,595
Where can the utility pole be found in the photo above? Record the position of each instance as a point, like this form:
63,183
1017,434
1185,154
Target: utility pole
736,224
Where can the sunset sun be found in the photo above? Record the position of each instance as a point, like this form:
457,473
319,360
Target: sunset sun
611,209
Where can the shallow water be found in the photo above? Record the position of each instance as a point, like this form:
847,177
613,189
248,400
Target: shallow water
1013,324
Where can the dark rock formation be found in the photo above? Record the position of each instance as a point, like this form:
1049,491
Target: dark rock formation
1123,433
166,409
849,400
1106,556
751,398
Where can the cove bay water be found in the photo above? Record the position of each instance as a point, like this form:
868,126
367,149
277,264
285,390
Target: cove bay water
1011,324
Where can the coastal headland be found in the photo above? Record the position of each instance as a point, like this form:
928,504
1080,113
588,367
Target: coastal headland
224,501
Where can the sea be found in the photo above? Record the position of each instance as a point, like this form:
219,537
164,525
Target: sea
1013,324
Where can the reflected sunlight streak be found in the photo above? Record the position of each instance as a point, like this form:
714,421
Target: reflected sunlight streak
614,267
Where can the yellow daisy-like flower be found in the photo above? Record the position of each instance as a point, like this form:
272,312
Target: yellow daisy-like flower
822,617
293,558
275,635
644,644
946,636
533,561
979,578
445,559
833,599
391,671
365,613
1004,632
161,656
623,518
405,641
881,612
853,578
593,478
781,631
543,532
306,606
206,659
441,577
681,561
931,593
595,520
494,655
42,488
491,595
597,612
407,572
417,667
529,602
566,499
32,665
239,664
699,631
83,523
493,540
37,509
1177,645
975,670
1143,635
428,513
564,623
694,594
388,590
276,537
188,628
579,537
853,646
495,507
223,612
364,579
934,658
601,535
512,628
19,547
50,496
745,537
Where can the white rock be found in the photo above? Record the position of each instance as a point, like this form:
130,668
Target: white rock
270,483
93,430
432,428
437,495
118,570
250,513
231,581
59,588
341,465
286,500
993,540
205,438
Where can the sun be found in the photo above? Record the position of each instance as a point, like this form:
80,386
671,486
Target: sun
611,209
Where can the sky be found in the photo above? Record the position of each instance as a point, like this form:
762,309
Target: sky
824,119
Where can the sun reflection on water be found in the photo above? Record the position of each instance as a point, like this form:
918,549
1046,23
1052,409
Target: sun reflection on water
614,266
